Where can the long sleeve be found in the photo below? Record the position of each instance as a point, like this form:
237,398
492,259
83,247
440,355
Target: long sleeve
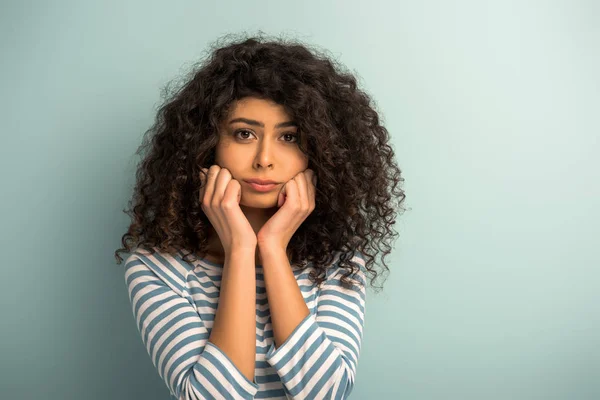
175,336
319,358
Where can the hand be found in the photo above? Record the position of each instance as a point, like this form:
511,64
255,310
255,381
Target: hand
297,201
220,199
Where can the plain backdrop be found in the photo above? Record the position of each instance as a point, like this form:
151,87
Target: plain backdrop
493,109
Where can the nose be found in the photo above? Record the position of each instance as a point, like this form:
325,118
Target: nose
264,156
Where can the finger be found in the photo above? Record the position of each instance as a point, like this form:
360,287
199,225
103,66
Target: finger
212,172
301,185
293,193
307,189
312,189
281,196
310,177
221,182
202,176
232,194
203,183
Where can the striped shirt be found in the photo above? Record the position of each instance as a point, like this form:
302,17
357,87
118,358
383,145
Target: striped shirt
174,303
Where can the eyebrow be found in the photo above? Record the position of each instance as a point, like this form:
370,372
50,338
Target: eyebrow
256,123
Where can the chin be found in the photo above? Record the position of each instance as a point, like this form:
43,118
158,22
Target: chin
265,202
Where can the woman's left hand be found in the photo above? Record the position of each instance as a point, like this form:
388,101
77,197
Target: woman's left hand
297,201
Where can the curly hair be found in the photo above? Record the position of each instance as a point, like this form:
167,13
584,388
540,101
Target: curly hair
359,191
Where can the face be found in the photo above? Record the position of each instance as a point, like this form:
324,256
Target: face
259,140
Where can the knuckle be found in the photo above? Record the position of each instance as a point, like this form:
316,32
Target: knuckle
227,205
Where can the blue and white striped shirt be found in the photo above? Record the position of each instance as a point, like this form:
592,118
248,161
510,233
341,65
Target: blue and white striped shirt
174,303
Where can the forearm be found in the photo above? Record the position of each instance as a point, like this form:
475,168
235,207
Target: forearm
286,302
321,349
234,327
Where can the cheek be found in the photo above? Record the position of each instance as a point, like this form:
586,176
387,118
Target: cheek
297,163
302,159
304,162
226,156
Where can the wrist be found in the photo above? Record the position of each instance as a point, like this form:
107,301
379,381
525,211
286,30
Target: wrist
241,249
266,247
246,244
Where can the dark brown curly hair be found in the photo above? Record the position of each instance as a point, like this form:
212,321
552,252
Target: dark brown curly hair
359,191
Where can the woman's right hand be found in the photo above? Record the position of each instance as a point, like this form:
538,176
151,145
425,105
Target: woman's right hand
220,196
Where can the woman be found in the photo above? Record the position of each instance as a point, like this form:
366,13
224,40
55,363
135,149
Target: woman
242,289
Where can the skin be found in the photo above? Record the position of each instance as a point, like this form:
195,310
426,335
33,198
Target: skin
249,151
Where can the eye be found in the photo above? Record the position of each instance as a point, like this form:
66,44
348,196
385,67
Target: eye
243,131
293,135
238,133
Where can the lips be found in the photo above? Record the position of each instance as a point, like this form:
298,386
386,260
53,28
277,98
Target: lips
262,188
261,181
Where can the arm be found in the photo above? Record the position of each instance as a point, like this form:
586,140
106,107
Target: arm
175,336
234,327
286,303
315,355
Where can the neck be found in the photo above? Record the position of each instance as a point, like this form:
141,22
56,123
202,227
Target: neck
257,217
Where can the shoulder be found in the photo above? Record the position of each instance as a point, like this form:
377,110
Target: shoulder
357,263
170,269
345,287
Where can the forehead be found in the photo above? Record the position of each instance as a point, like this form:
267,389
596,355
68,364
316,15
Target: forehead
262,109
